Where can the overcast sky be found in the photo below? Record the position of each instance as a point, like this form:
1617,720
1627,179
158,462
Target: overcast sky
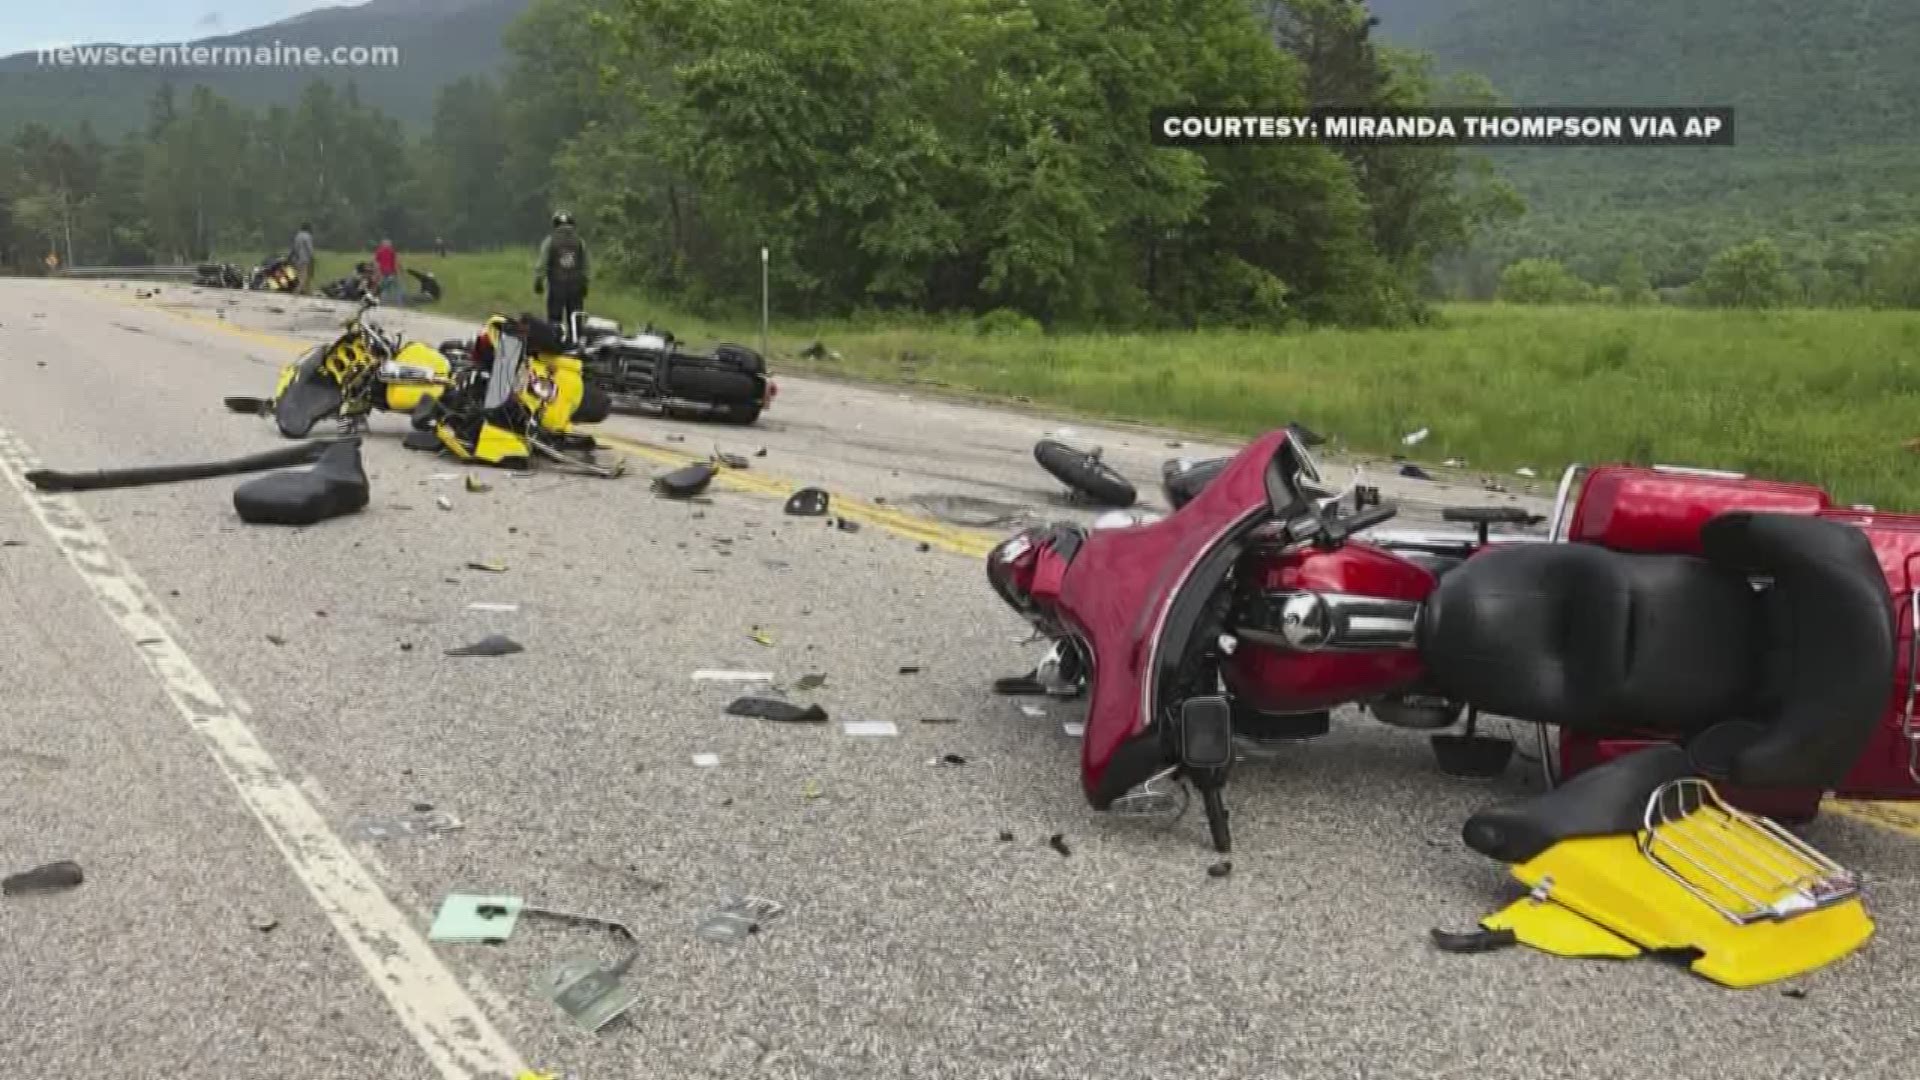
36,24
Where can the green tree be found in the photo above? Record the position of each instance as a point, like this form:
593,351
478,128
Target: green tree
1750,275
1631,283
1542,281
1892,275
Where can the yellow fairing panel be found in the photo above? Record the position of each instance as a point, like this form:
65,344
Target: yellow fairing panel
570,389
1609,882
285,380
403,395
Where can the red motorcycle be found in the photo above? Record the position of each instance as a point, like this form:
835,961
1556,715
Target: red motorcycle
1751,623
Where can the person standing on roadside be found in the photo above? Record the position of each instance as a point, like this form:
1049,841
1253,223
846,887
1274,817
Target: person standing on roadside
561,271
301,256
387,262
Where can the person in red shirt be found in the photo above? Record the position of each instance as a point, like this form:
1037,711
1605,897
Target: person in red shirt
387,262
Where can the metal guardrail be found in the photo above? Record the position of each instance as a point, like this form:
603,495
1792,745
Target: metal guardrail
135,272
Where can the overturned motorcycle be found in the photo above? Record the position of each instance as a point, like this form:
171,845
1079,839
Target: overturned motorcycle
364,369
1699,641
516,392
652,372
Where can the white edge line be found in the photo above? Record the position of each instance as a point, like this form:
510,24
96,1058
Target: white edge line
430,1002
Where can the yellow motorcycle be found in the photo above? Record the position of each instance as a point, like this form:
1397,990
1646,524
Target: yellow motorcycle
517,392
365,369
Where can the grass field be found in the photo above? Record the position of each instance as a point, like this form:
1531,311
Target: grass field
1827,396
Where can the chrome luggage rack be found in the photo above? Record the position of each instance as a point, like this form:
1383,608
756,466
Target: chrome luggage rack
1759,869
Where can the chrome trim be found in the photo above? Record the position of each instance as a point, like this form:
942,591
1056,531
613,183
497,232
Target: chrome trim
1351,622
1776,876
1443,543
1557,525
1692,470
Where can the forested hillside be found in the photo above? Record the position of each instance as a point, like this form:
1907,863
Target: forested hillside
439,41
1828,104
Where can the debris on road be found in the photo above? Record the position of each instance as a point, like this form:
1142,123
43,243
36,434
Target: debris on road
810,682
1034,712
13,543
808,502
55,480
276,639
785,712
910,669
847,526
444,503
706,761
1220,869
736,917
419,823
760,636
870,728
707,675
489,567
264,923
1415,472
481,606
589,991
686,482
491,645
476,486
948,759
52,877
1073,729
939,719
1058,842
1006,837
812,790
762,452
731,461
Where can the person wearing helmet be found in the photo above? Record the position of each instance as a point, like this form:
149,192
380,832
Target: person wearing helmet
561,271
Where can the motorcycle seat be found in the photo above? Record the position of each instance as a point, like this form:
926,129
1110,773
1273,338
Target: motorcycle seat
1596,640
1607,801
305,403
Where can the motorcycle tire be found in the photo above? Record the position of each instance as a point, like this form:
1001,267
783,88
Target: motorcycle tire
595,405
1085,474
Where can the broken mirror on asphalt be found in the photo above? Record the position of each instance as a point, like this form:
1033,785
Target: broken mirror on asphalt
588,990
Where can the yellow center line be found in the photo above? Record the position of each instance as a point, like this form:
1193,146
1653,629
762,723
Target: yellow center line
975,543
1897,817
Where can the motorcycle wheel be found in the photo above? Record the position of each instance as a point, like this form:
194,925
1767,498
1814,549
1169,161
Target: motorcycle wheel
1085,474
595,405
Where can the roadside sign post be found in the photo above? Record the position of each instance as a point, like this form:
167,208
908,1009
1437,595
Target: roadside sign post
763,301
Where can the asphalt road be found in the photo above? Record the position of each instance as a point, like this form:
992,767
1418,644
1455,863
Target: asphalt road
203,713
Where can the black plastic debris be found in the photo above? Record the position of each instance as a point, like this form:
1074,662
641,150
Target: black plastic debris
847,526
1058,842
1018,686
924,546
1220,869
421,440
762,452
491,645
1006,837
264,923
785,712
952,759
334,486
1473,941
939,719
910,669
686,482
1415,472
53,877
13,543
1794,992
276,639
808,502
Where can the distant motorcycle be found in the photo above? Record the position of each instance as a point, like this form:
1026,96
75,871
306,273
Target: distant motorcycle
365,281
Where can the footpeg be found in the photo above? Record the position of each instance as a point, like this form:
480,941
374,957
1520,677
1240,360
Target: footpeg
1206,753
